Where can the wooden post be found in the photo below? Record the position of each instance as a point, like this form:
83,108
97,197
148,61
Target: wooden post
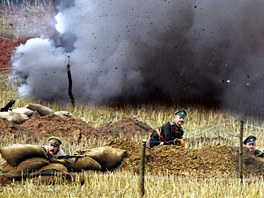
70,83
142,168
241,151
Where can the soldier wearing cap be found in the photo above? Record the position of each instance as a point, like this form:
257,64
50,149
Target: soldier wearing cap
53,148
171,132
250,143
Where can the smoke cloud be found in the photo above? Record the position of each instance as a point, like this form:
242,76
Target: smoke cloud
207,52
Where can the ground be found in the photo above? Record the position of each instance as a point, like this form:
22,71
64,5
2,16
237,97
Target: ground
209,160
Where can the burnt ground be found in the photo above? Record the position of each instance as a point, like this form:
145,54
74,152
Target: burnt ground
207,160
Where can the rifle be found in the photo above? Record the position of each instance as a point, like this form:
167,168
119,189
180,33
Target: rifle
8,106
260,153
70,156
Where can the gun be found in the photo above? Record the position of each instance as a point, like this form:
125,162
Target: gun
8,105
260,154
70,156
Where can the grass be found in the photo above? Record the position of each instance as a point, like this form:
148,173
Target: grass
200,122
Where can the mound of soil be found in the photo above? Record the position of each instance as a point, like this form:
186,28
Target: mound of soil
217,160
126,127
40,128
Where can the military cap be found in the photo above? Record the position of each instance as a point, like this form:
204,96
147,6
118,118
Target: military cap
55,141
250,140
181,113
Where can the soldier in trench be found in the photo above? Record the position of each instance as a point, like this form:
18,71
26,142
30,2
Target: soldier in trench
170,132
53,147
250,143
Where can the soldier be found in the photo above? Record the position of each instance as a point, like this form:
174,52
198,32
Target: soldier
171,132
250,143
53,148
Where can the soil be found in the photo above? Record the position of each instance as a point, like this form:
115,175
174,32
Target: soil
207,160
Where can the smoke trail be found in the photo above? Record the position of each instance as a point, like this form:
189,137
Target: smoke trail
204,52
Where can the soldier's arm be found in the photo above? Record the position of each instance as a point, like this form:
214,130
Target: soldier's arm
167,132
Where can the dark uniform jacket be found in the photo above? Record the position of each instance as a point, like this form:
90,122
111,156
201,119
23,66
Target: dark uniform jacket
167,133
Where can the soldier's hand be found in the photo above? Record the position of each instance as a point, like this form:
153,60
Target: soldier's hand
176,142
162,143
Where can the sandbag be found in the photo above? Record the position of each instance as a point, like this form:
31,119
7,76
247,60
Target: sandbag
16,153
4,180
53,173
65,114
17,118
25,167
52,169
80,164
23,110
107,156
42,110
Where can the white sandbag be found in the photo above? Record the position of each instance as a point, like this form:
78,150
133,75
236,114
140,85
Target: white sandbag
66,114
16,153
23,110
42,110
17,118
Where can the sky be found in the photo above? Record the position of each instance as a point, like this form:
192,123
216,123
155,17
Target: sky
205,52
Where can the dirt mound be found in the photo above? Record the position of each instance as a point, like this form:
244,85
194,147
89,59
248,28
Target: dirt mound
208,161
217,160
126,127
37,128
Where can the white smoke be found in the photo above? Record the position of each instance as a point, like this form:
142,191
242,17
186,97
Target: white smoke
203,52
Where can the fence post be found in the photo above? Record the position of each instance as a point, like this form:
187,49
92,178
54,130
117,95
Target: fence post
142,168
241,151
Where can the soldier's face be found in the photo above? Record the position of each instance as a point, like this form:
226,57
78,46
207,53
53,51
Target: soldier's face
53,149
179,120
251,146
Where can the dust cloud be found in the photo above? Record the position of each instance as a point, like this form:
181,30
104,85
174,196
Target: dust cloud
205,52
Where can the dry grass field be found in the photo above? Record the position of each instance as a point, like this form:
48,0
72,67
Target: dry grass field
201,122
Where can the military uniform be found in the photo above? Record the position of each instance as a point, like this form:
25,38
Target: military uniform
251,140
168,133
55,141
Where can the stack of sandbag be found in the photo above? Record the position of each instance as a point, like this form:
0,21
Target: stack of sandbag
108,157
52,173
31,161
79,164
27,161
